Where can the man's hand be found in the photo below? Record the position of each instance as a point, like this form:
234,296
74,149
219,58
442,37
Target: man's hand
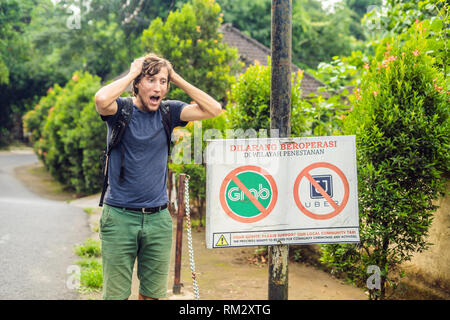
174,77
136,67
105,98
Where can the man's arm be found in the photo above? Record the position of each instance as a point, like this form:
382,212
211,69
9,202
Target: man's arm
105,98
205,106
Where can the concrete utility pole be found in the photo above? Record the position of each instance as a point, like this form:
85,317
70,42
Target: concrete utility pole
280,119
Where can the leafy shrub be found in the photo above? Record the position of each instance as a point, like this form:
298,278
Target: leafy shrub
193,165
249,106
401,123
34,120
68,135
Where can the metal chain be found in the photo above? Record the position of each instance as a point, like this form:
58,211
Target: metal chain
189,234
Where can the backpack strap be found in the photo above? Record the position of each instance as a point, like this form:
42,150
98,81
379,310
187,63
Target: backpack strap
165,115
120,125
117,131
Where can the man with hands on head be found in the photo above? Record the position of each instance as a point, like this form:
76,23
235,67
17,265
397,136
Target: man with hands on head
135,222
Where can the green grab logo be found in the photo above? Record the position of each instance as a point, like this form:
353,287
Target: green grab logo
238,200
248,194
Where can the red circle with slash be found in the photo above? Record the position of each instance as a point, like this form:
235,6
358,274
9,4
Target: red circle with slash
264,212
306,174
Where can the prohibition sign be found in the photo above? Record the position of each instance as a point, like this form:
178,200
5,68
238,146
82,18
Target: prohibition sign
305,174
261,208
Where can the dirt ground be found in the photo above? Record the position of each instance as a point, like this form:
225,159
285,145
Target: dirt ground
223,274
234,273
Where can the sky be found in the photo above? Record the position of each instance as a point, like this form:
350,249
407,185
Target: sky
329,3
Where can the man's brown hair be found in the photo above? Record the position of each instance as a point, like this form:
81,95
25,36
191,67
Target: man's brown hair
152,65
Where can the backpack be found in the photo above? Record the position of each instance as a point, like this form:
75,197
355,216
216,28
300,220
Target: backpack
117,131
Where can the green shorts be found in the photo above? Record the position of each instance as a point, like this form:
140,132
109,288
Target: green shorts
127,235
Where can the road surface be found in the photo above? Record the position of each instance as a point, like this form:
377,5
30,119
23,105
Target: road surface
37,237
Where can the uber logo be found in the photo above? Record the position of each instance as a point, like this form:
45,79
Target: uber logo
326,182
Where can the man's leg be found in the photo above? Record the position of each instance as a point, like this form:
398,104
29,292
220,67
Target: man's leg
142,297
154,255
118,232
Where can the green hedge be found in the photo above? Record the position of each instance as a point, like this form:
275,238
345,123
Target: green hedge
68,135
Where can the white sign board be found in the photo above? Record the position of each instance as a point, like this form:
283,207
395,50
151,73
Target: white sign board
281,191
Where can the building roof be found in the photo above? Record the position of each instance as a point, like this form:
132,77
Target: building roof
250,50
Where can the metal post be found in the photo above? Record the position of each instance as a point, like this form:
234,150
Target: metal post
170,186
280,111
179,237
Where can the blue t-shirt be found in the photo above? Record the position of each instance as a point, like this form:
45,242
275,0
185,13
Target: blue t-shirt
145,158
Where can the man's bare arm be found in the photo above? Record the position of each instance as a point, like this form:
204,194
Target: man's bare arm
205,106
105,98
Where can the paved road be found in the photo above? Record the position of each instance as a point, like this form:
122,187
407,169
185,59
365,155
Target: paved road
37,237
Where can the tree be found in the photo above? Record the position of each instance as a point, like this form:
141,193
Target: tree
317,35
251,17
399,15
401,123
136,15
17,86
9,11
190,40
67,39
43,42
249,106
359,8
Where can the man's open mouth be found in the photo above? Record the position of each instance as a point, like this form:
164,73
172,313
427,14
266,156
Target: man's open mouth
154,99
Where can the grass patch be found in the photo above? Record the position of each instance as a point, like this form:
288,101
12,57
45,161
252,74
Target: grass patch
196,223
91,277
89,211
90,248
